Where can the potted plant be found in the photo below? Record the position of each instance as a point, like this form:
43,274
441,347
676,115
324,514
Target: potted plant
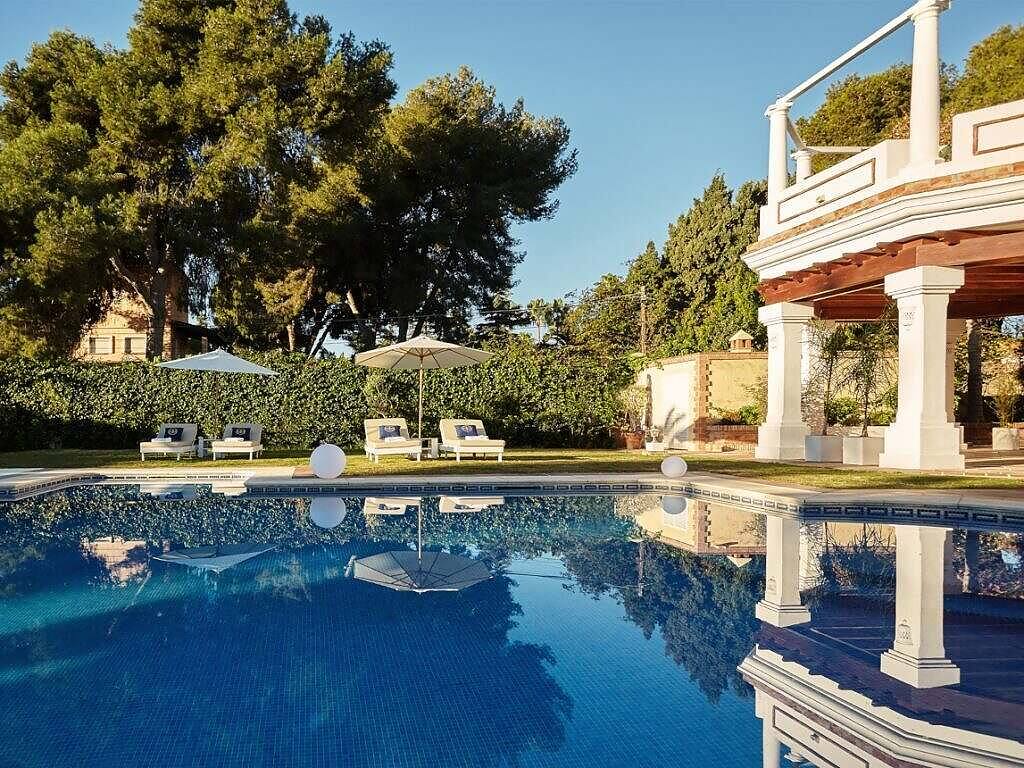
632,410
870,353
1005,370
829,343
653,439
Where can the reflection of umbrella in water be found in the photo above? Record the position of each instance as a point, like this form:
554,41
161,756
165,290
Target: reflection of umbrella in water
407,570
214,558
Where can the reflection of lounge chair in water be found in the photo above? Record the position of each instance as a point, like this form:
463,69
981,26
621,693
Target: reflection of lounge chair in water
468,504
168,491
389,505
214,558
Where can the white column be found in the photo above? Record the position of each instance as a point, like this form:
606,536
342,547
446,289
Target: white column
922,437
781,606
783,432
770,745
918,656
924,88
778,156
803,163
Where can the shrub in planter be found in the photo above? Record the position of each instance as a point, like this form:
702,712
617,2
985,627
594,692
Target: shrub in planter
871,353
829,341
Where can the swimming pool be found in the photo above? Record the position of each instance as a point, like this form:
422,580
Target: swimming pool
179,627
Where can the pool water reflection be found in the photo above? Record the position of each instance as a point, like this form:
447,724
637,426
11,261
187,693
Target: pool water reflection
597,631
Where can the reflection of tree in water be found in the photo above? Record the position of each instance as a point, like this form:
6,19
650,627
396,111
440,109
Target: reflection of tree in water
989,563
521,526
704,606
267,664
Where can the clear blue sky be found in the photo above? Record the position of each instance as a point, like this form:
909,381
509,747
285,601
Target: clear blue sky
659,95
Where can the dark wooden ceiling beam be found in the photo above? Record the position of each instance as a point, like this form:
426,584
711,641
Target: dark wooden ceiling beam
985,255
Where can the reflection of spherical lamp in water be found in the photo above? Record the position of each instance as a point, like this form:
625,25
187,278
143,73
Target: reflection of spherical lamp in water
327,512
673,466
327,461
673,505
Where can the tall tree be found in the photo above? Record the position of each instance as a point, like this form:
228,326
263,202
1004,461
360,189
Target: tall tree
709,278
454,171
993,72
52,225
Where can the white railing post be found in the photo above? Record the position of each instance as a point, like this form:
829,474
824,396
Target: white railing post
924,89
778,154
803,163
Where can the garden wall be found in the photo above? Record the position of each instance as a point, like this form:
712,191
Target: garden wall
547,397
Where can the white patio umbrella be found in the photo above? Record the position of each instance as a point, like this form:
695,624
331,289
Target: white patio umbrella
422,352
218,361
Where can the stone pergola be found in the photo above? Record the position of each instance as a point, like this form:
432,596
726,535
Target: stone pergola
897,222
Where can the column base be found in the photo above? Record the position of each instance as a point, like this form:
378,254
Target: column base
781,615
920,673
781,442
922,447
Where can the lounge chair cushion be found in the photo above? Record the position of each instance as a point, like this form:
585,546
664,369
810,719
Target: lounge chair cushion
150,445
400,443
483,442
234,444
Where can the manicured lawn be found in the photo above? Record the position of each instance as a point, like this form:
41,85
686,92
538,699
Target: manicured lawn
535,461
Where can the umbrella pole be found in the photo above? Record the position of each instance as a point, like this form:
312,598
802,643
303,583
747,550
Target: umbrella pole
419,423
419,532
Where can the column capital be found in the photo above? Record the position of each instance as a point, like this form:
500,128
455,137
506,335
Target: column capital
785,312
928,8
777,107
924,280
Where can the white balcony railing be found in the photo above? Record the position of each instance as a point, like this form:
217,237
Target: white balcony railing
868,167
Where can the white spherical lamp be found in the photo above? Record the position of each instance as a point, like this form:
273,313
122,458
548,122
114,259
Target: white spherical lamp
327,512
327,461
673,505
673,467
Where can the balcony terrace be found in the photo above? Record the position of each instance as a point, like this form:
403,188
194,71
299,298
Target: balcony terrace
940,230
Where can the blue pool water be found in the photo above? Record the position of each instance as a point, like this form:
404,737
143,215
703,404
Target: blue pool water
174,626
591,644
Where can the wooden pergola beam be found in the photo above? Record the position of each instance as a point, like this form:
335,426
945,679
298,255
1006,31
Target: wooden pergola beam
978,252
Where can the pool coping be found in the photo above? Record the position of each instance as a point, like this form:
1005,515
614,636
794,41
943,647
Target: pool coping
975,508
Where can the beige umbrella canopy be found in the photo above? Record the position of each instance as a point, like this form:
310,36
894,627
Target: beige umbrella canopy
422,352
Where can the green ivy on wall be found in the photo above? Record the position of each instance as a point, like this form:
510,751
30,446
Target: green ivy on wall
537,397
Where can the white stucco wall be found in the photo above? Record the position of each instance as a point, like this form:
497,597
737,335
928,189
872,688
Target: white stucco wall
674,400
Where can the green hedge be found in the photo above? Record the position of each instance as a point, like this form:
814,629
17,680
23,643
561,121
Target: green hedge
531,397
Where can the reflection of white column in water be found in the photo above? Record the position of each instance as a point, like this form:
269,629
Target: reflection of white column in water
812,540
770,744
781,605
918,656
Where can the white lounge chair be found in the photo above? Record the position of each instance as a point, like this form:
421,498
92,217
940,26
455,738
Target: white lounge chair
468,437
239,438
389,437
172,440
